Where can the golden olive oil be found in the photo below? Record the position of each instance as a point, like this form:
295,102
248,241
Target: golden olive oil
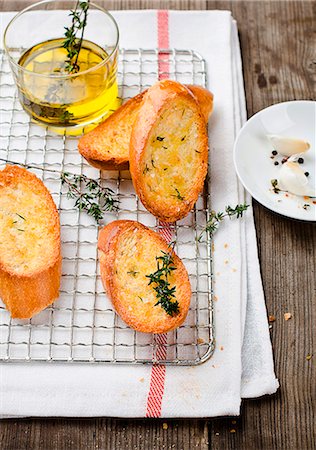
52,96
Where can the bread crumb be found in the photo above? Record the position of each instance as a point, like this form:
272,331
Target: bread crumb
218,273
225,245
226,261
142,379
221,348
200,341
234,270
216,434
233,430
271,318
308,357
165,426
213,247
215,298
287,316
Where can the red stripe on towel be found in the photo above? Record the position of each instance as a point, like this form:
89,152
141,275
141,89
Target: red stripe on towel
163,44
157,379
158,372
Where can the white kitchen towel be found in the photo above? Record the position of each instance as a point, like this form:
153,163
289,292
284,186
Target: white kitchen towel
242,364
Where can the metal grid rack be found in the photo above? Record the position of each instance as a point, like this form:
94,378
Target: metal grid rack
81,325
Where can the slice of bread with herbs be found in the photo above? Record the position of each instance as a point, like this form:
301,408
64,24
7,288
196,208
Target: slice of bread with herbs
107,146
30,258
169,151
146,281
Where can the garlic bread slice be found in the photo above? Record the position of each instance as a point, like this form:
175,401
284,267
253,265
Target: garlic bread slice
169,151
132,258
30,258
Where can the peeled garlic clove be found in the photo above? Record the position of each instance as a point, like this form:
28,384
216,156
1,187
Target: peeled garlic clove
293,179
288,146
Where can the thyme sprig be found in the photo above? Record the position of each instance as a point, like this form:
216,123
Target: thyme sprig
72,43
217,217
275,186
161,285
93,198
177,195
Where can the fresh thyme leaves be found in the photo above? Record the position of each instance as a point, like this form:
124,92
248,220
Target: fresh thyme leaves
177,195
66,116
159,138
19,221
133,273
153,163
216,218
182,139
275,187
72,43
237,211
96,201
161,284
140,298
52,95
146,169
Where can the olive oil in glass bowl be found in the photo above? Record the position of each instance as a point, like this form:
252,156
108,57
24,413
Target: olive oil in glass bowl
65,101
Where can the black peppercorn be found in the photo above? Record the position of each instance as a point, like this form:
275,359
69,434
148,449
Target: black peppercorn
306,174
300,160
274,152
276,163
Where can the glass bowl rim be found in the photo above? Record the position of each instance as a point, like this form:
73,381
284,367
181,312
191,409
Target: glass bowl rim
64,76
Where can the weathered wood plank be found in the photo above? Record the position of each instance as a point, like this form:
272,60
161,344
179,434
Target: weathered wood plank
279,65
277,40
116,434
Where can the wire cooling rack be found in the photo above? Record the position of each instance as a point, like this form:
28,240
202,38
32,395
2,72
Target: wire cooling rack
81,325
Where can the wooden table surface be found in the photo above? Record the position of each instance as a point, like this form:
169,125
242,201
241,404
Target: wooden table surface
279,58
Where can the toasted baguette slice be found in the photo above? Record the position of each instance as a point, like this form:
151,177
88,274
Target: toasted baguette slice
30,259
169,151
128,252
106,147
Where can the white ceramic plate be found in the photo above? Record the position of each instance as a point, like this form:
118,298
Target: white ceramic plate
252,155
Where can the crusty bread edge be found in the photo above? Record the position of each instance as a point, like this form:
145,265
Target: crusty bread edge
92,156
25,296
110,164
204,98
